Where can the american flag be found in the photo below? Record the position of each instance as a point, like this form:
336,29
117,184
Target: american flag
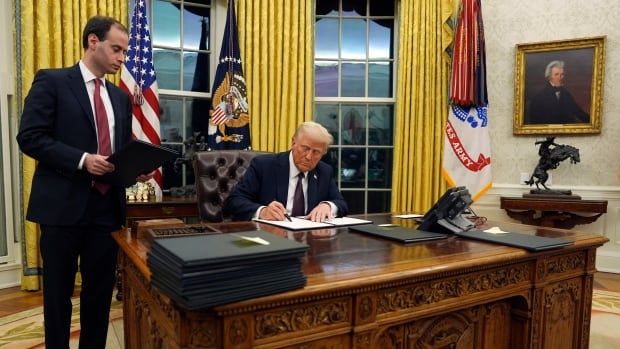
138,80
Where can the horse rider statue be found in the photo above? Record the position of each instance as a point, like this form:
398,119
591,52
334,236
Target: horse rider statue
550,159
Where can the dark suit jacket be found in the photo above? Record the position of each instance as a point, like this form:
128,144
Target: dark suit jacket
267,179
57,126
546,108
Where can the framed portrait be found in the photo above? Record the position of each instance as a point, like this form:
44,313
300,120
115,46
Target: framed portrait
559,87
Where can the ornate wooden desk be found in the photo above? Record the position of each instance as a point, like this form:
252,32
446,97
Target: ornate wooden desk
554,212
364,292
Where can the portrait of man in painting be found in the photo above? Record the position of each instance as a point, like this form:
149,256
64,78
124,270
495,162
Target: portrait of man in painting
558,86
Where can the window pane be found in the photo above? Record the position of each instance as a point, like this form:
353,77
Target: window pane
354,7
353,79
355,201
380,38
196,71
326,79
195,19
171,119
381,8
379,201
354,124
380,124
354,38
331,158
197,117
168,65
327,115
326,41
327,7
379,168
166,24
380,79
352,165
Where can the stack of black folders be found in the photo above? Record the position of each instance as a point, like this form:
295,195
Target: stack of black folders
204,271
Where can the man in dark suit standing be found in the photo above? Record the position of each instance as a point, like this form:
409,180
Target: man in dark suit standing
554,104
295,182
72,120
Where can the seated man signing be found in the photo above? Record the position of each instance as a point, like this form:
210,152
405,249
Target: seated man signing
295,182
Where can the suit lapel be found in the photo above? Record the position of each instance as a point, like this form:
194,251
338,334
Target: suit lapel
76,83
282,175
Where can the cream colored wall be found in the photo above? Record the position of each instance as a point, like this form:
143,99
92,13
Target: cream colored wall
511,22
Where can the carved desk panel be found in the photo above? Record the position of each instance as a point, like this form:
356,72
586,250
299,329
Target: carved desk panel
364,292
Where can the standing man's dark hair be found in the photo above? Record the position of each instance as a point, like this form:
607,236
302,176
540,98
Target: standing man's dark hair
100,26
73,119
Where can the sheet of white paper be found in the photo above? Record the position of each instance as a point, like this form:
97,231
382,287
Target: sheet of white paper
301,224
343,221
256,239
409,215
495,230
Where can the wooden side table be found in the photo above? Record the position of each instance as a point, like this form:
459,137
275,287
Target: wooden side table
553,212
169,207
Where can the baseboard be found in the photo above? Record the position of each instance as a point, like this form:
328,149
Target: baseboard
10,275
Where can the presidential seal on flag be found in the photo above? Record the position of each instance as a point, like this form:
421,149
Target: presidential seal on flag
229,116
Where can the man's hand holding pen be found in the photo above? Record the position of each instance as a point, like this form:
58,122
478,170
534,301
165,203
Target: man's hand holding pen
275,211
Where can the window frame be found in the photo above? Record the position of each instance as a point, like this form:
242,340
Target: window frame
216,29
366,102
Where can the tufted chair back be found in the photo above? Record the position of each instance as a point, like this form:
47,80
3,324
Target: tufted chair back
217,172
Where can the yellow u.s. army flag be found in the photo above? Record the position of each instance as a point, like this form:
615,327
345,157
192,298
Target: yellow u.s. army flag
467,148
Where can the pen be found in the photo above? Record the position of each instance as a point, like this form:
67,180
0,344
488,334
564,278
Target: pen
288,217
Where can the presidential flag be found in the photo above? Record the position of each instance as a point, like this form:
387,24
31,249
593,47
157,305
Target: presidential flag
467,148
138,80
229,116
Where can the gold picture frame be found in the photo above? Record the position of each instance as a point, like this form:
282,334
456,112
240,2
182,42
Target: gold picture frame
574,105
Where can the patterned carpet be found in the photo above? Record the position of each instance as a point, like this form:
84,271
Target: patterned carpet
25,329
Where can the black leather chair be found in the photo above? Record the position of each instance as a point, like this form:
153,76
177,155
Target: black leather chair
216,173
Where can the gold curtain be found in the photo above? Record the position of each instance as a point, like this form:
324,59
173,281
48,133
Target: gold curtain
421,103
275,38
51,37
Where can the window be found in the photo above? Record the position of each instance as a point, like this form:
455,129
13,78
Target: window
354,96
182,51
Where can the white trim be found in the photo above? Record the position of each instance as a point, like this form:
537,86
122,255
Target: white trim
6,92
10,275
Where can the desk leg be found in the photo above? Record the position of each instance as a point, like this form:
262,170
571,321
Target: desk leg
119,279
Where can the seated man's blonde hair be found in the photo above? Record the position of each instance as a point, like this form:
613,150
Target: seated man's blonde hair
314,130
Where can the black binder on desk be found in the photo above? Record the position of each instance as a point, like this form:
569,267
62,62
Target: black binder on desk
526,241
400,234
224,250
134,159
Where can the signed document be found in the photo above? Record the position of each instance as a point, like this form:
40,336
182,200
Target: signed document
297,223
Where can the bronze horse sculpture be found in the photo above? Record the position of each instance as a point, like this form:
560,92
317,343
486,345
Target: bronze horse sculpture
550,159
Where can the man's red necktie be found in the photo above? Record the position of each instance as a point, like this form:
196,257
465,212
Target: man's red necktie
103,131
299,204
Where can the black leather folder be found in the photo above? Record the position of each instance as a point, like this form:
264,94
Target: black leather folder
400,234
224,250
529,242
137,158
